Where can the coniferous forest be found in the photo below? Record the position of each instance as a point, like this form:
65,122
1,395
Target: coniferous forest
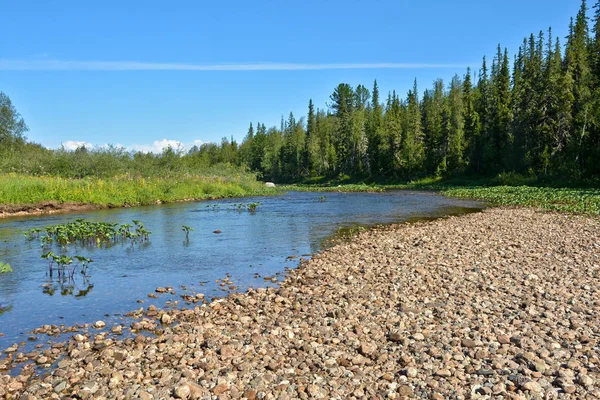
535,112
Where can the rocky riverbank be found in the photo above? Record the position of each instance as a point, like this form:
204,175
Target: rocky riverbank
499,304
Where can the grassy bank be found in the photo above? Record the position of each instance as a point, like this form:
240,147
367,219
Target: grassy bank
585,201
124,190
510,190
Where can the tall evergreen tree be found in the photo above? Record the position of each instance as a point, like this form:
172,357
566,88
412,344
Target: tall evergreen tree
310,143
375,132
434,109
412,153
456,126
343,100
499,141
578,66
472,125
482,103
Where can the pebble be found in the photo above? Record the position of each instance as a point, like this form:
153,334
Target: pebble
498,304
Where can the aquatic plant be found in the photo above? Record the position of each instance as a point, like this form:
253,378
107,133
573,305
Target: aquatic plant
86,233
252,206
322,198
84,262
5,309
32,233
187,230
62,263
5,268
50,257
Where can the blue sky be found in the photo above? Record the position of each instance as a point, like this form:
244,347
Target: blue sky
139,74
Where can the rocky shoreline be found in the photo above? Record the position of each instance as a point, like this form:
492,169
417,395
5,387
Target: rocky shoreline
499,304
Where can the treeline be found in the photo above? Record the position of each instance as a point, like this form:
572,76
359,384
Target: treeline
537,114
17,155
33,159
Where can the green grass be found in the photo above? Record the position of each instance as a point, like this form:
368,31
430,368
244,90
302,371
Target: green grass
352,187
585,201
16,189
504,189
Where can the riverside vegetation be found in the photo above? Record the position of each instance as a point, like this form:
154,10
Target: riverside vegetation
541,119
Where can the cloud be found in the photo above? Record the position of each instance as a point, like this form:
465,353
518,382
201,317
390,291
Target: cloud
73,65
156,147
74,145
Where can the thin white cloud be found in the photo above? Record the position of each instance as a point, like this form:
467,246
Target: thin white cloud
72,65
74,145
156,147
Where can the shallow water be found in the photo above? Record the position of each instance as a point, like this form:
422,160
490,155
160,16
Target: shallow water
250,246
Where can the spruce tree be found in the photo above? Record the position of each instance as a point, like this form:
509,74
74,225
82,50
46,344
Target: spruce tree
412,153
433,127
482,102
472,126
309,154
374,123
456,126
579,68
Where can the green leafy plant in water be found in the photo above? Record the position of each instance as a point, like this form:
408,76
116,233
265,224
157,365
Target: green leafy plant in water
322,198
252,206
32,233
187,230
50,257
87,233
5,309
5,268
63,262
84,262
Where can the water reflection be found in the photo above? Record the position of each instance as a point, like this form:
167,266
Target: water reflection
67,286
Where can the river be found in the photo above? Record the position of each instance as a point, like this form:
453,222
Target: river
249,247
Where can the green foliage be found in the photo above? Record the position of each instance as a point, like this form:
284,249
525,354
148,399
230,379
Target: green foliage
5,268
126,190
187,230
252,206
561,199
86,233
12,125
544,120
63,262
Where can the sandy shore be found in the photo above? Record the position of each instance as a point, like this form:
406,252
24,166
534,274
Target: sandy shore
499,304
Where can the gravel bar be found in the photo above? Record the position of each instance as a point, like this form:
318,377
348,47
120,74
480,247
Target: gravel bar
503,304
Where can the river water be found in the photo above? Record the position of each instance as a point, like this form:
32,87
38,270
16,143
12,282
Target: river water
249,247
